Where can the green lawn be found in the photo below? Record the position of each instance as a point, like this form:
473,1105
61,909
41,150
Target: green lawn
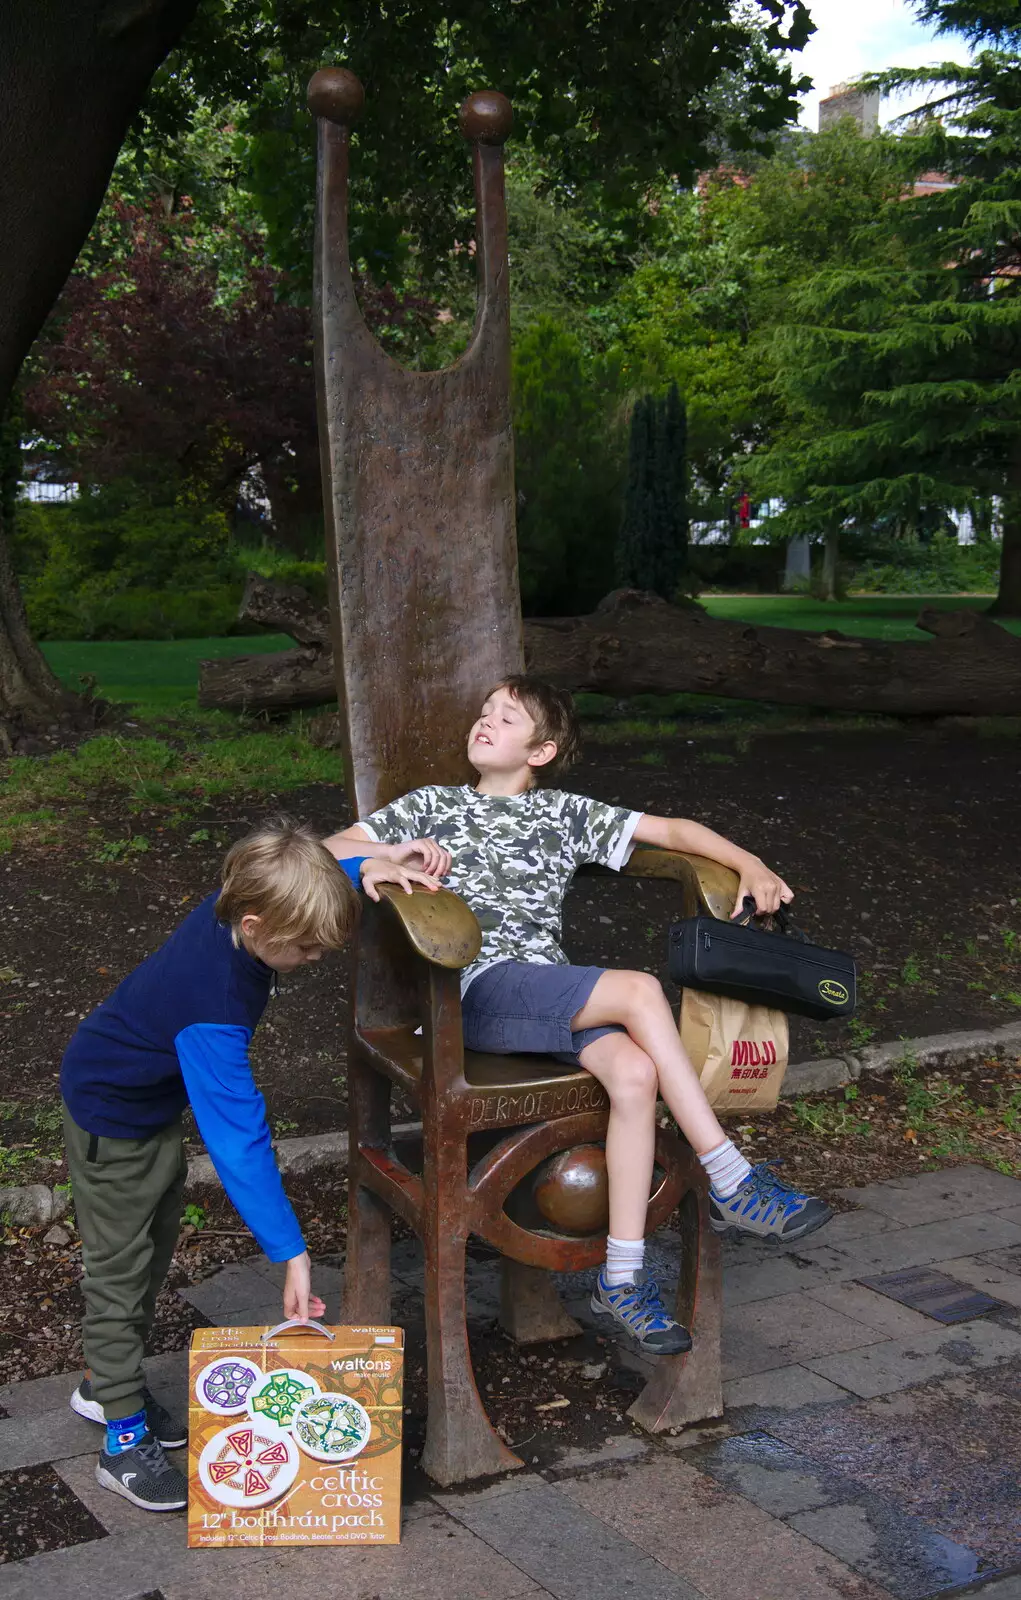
164,672
156,672
881,616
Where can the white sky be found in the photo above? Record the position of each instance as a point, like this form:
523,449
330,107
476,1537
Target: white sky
855,36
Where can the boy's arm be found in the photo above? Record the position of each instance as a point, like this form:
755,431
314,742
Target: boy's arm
424,854
231,1117
337,843
678,833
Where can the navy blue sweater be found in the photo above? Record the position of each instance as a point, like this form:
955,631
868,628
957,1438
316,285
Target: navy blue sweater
175,1030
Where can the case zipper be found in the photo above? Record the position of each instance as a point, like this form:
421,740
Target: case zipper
795,944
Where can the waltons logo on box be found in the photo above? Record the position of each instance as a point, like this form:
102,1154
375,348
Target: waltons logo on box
296,1440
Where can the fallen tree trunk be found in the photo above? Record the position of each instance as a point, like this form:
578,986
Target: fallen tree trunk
635,643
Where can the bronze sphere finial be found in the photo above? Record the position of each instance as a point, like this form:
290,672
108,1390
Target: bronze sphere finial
336,94
486,117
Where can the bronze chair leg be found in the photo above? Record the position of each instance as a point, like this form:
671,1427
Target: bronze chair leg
688,1389
366,1297
531,1310
460,1442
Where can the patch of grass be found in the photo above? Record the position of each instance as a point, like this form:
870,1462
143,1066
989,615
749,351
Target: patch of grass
151,773
829,1120
154,672
999,727
653,758
861,1032
116,849
910,971
29,1135
740,721
718,758
863,616
932,1117
42,824
43,798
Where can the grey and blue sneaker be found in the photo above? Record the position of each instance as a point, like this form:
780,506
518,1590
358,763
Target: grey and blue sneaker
639,1310
144,1476
765,1208
162,1426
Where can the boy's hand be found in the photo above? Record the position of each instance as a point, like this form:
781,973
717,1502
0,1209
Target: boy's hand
299,1301
767,890
376,871
423,854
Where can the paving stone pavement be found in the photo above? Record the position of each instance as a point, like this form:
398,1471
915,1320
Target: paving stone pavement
867,1452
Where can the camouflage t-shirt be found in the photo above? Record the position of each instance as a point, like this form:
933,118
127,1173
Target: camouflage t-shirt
513,857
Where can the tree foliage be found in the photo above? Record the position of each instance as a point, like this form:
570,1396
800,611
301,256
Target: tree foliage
608,97
568,445
155,370
653,543
900,366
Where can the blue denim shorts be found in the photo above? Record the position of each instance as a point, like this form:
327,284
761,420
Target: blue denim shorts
526,1006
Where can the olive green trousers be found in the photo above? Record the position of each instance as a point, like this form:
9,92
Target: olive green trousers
127,1203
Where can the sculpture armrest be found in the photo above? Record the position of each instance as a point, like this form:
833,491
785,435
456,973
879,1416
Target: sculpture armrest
439,926
708,886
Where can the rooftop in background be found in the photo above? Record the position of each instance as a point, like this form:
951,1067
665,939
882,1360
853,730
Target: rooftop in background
869,36
846,101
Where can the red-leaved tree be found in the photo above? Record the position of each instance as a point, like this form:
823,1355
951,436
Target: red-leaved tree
168,367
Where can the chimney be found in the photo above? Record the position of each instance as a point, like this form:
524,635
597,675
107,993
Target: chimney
845,102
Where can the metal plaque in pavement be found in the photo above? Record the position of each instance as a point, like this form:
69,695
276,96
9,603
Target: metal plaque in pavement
934,1294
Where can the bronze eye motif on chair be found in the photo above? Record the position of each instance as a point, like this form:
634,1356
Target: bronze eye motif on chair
419,492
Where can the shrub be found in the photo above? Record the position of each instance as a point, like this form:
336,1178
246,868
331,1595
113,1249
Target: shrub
941,566
136,613
270,563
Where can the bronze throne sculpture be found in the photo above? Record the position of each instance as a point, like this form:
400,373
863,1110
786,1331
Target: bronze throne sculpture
419,493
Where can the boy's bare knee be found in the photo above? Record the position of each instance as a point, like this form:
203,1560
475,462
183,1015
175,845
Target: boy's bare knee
640,990
634,1079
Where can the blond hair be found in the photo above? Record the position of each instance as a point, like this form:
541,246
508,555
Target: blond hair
283,874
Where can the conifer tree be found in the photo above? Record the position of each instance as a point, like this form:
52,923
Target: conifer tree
652,550
902,372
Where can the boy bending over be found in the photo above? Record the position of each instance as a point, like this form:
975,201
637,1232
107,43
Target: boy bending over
177,1030
513,848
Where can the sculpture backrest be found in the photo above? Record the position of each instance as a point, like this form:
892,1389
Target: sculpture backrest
419,490
418,472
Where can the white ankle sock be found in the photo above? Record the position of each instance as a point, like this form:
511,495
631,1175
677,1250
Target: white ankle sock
624,1257
727,1168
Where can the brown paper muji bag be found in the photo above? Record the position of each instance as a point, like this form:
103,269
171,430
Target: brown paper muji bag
738,1051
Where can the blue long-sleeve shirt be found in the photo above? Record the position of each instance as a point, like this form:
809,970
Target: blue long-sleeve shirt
177,1030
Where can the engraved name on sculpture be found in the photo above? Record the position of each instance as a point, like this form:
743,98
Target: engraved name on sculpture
539,1104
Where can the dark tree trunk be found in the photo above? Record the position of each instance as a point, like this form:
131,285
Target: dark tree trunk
294,488
74,74
636,643
30,694
1008,599
831,564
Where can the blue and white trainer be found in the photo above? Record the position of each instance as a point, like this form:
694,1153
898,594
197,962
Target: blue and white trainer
638,1309
765,1208
170,1433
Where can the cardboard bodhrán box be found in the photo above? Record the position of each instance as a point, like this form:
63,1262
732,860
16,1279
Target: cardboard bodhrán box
294,1436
